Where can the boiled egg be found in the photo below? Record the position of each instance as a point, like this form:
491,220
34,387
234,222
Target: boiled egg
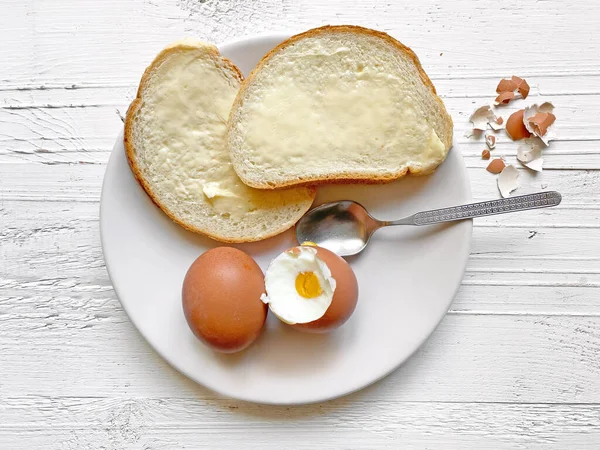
311,288
221,299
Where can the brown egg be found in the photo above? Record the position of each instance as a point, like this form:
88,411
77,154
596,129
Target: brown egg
344,299
515,128
221,299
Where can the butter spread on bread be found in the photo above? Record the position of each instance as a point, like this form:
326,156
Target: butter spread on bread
333,104
175,143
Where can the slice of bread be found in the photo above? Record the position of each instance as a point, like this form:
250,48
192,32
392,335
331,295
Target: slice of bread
337,104
175,143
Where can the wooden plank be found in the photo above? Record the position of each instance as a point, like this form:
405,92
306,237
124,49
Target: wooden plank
469,358
45,44
54,422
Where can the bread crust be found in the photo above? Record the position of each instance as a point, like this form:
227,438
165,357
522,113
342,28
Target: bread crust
351,177
133,110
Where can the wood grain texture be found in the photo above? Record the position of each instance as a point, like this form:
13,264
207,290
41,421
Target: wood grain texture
515,364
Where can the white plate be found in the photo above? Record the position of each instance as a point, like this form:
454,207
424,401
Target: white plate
407,279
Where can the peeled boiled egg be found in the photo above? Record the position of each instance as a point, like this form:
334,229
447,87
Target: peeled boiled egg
222,299
311,288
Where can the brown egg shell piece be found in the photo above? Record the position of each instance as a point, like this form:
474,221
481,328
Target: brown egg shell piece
506,86
515,128
504,98
522,86
540,122
513,85
496,166
345,296
485,154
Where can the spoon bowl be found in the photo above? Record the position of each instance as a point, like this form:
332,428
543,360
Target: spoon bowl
344,227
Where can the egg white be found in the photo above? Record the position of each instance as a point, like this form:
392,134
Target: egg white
280,283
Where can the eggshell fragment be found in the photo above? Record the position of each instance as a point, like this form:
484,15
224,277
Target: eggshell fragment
504,98
496,166
529,154
481,117
515,128
490,141
507,180
506,86
539,121
473,133
508,90
485,154
497,124
522,86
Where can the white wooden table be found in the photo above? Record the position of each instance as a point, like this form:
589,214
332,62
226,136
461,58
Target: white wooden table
516,362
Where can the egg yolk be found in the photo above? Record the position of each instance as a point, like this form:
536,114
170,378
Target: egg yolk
307,285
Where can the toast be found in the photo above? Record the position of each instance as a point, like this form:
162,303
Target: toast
337,104
175,143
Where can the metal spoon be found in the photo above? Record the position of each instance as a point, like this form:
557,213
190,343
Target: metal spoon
345,227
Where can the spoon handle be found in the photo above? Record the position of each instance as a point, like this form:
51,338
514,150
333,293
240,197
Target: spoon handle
490,208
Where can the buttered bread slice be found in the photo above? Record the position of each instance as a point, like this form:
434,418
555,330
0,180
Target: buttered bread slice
334,104
175,143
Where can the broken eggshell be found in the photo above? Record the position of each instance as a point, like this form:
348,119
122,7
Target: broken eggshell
515,127
481,117
506,85
522,86
473,133
508,180
490,141
539,121
504,98
511,89
529,153
496,166
497,124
